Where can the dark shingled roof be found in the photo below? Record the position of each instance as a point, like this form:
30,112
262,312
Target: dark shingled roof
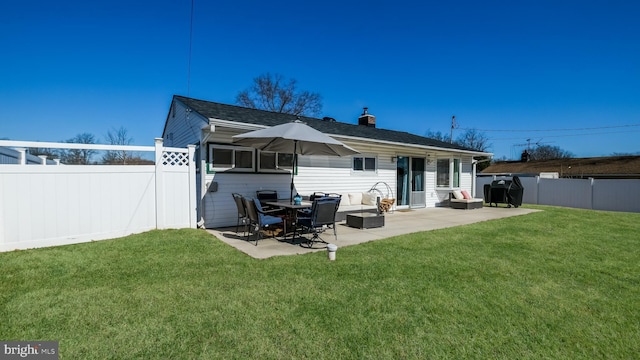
240,114
623,166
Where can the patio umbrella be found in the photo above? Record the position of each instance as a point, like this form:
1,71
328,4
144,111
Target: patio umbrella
296,138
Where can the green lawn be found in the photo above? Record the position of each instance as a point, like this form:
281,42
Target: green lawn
556,284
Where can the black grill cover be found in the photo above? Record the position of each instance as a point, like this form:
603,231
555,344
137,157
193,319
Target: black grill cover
515,192
504,192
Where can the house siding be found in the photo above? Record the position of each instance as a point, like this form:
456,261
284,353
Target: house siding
319,173
315,173
335,174
432,196
182,127
466,175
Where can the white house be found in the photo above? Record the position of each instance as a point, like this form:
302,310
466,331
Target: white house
420,172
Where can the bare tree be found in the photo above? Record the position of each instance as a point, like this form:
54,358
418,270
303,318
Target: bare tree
436,135
547,152
274,93
117,137
50,153
476,140
78,156
473,139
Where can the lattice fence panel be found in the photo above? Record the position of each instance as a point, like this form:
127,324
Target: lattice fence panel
175,159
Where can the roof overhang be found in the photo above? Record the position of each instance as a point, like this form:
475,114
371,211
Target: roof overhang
236,125
395,145
354,139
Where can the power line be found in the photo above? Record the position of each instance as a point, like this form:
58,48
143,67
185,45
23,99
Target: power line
571,135
190,47
551,130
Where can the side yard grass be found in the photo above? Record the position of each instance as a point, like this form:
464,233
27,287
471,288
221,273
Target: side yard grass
560,283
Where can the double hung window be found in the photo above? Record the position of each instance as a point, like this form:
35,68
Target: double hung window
239,158
275,161
364,163
448,173
224,157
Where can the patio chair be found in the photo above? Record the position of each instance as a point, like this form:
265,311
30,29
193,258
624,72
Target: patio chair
258,219
318,195
268,195
307,212
242,212
323,215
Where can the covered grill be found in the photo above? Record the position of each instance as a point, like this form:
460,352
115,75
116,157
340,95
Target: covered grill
504,192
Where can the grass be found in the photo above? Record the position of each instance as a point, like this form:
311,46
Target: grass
561,283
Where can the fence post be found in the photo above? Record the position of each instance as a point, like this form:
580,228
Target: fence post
160,204
591,183
538,190
43,158
22,156
192,187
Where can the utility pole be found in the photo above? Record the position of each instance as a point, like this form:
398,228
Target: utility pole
453,125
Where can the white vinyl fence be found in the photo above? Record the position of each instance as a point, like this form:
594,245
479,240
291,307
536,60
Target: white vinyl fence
45,205
595,194
20,156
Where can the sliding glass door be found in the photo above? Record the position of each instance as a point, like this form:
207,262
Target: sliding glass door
410,174
418,194
403,181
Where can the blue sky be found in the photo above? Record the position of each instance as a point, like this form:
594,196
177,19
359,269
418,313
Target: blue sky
515,70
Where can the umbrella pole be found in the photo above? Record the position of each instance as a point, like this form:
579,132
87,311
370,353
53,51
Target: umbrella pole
293,170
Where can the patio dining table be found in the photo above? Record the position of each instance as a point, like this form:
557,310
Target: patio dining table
291,208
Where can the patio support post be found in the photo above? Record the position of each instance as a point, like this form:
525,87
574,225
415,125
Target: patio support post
43,159
474,165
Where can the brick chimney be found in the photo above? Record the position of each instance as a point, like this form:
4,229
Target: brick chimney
367,119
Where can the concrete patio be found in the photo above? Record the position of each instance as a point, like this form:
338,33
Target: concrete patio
396,223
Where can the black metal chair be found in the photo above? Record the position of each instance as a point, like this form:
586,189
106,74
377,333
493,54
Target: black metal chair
323,216
317,195
242,212
267,195
258,219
